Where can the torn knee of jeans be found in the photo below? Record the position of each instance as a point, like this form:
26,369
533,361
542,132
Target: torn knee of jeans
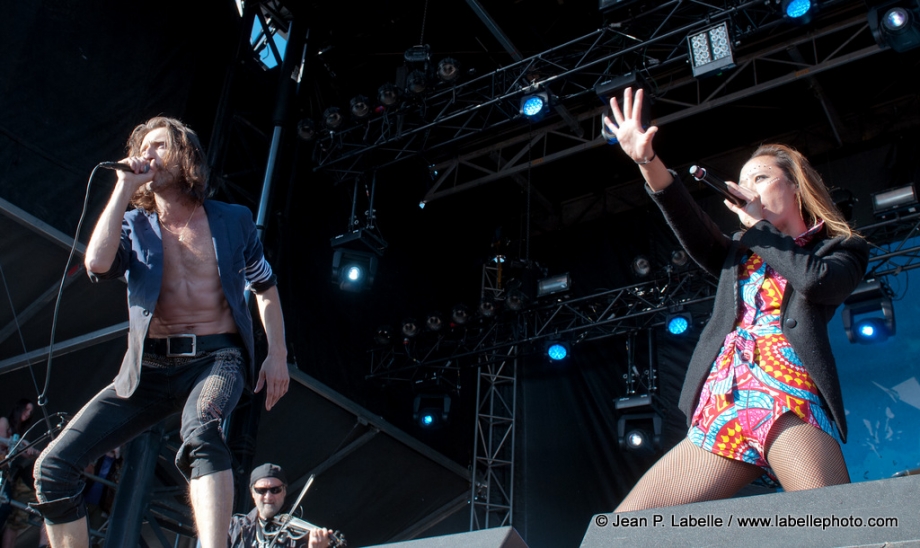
204,451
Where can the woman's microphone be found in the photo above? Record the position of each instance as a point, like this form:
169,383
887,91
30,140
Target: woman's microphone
718,184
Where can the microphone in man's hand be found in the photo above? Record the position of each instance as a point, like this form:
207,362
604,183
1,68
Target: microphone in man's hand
716,183
122,167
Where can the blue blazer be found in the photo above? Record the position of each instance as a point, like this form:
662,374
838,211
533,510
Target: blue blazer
240,262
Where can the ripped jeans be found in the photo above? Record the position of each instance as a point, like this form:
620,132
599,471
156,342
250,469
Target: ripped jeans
204,388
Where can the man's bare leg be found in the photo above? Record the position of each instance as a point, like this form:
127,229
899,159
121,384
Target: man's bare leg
69,535
212,501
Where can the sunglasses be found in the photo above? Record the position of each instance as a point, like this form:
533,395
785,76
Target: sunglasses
273,490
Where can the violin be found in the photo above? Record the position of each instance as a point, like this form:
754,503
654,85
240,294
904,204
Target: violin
286,527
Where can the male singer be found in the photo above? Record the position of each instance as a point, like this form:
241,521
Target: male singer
187,261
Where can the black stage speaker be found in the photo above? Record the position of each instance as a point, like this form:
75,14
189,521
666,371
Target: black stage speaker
497,537
873,513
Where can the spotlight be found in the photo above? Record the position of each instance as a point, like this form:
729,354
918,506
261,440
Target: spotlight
409,328
353,270
615,88
306,129
515,300
641,266
679,258
896,24
710,51
890,201
332,118
639,429
799,11
871,296
384,335
360,109
388,95
535,105
679,323
557,351
434,322
554,284
460,314
487,306
416,83
418,54
448,69
431,411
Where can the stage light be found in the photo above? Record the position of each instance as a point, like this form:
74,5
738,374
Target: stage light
448,69
896,24
679,258
799,11
418,54
388,95
409,328
868,300
554,284
711,51
641,266
417,82
353,270
535,105
487,306
557,351
639,424
431,411
306,129
515,300
460,314
332,118
886,202
678,323
615,88
434,321
384,335
360,109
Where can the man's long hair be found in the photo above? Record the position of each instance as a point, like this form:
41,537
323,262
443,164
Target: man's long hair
183,150
815,201
17,425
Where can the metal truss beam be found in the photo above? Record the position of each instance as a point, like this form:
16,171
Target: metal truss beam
830,47
598,316
492,497
64,347
604,314
653,42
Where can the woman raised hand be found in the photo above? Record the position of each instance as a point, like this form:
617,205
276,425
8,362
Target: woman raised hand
635,140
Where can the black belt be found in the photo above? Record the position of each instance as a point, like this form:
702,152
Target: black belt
176,346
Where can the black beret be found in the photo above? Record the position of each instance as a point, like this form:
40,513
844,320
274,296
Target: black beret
267,470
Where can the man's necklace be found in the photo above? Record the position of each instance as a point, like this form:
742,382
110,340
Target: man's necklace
181,232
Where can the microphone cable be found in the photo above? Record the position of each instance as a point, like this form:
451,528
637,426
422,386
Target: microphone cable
43,396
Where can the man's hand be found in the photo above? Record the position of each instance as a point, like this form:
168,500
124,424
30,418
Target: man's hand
273,375
319,538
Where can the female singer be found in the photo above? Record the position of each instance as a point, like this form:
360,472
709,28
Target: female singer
761,392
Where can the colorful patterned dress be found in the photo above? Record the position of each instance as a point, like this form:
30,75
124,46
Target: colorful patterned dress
757,376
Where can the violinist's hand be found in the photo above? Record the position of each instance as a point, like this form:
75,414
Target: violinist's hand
626,124
319,538
750,214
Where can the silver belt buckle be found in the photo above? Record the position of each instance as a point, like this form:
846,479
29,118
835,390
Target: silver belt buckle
190,354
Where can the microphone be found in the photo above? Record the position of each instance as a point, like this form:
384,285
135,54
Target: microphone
716,183
121,167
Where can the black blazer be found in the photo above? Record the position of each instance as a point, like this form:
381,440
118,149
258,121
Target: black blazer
820,276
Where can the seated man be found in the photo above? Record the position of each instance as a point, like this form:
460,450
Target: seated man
268,486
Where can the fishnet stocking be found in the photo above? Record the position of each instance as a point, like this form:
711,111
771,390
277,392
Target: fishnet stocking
804,457
688,474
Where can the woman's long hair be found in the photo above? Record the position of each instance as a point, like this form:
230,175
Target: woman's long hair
815,201
17,425
183,150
